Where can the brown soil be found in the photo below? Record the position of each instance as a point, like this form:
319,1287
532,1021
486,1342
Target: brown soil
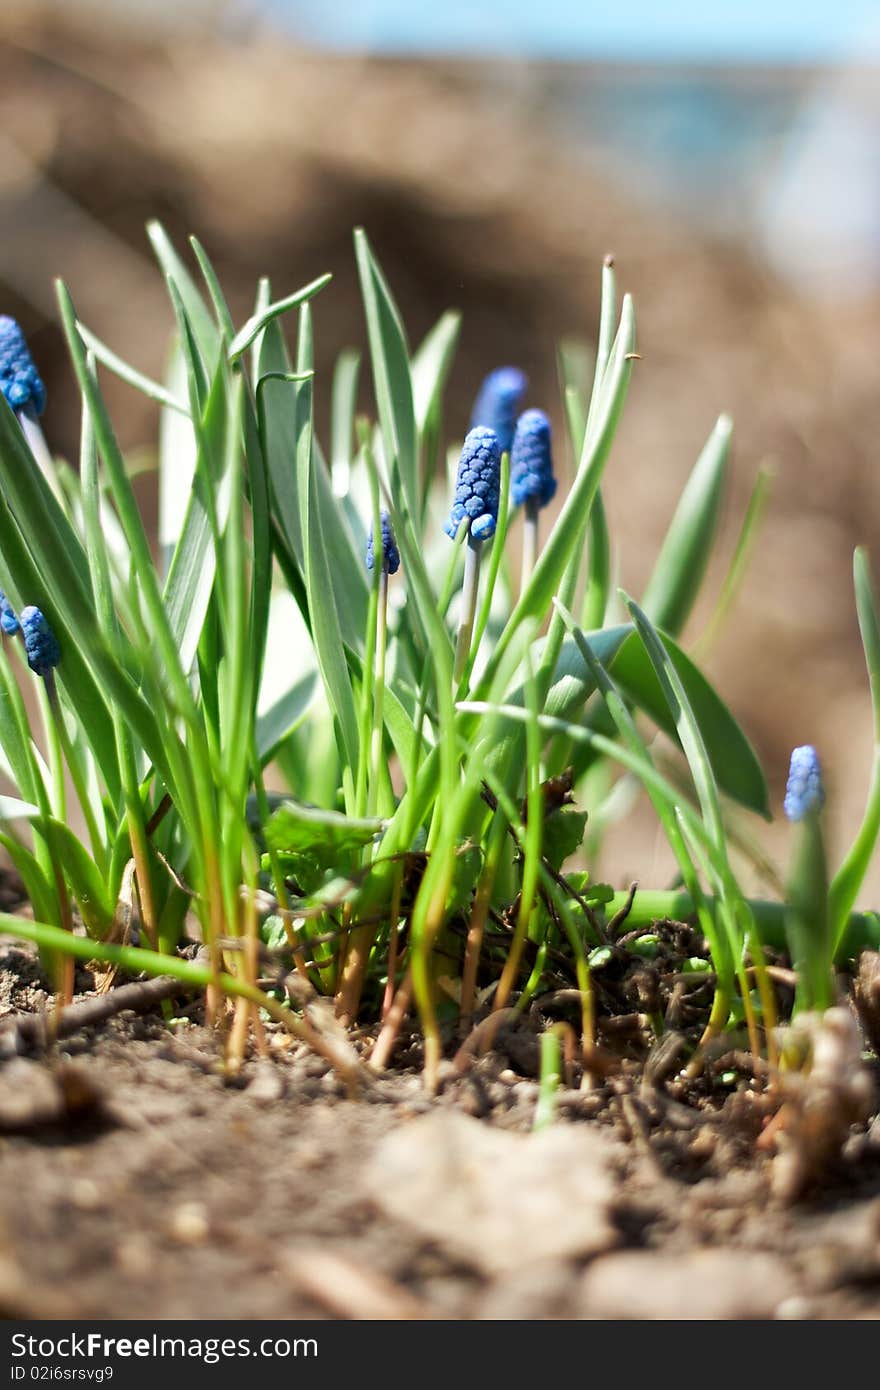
135,1181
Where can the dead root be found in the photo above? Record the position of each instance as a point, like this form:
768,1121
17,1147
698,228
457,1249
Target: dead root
826,1088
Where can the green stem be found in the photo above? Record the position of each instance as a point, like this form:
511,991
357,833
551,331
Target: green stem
530,542
469,587
650,906
377,731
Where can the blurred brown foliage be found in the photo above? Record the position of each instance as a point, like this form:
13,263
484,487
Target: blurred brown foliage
472,199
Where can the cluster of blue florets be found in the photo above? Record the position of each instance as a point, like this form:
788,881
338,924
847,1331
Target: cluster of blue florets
390,553
497,404
531,461
477,486
804,792
19,379
40,642
8,616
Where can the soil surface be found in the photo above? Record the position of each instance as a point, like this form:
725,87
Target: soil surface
137,1181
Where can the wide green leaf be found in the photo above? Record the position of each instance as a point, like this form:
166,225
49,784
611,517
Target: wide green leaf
733,760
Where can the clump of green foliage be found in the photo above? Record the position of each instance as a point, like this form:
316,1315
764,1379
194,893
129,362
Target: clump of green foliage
435,732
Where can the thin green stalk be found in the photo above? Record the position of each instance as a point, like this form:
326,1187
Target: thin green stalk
529,541
532,845
468,610
378,730
138,961
848,880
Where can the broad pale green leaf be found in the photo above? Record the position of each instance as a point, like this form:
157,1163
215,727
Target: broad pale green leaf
87,884
11,808
342,414
430,366
734,761
40,892
46,565
306,829
191,573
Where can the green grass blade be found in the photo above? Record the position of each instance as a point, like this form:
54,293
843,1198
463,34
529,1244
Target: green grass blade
391,373
343,406
430,367
849,877
323,613
686,723
678,573
147,387
257,322
739,560
567,535
204,330
217,297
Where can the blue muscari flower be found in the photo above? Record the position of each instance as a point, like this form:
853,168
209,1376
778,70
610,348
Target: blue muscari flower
390,553
8,616
804,791
40,642
531,462
19,379
477,486
498,401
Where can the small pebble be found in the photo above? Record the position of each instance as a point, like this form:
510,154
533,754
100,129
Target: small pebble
267,1085
189,1223
85,1194
134,1256
795,1309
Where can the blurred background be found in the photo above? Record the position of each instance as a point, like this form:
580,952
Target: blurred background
728,156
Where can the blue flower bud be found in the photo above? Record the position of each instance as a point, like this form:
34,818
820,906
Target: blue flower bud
531,462
390,553
8,616
19,380
804,791
498,401
477,486
40,642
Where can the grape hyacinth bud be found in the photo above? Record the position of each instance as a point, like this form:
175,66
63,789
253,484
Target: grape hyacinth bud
477,486
8,616
19,379
40,642
804,792
498,401
531,462
390,553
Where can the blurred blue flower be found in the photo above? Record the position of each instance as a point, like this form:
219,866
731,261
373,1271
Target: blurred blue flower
804,791
8,616
40,642
390,553
477,486
531,460
498,401
19,379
